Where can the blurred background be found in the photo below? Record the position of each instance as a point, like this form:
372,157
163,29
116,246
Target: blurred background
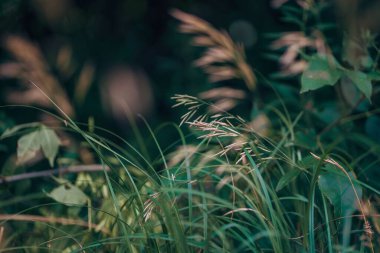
108,60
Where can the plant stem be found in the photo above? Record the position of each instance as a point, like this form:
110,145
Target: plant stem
60,220
47,173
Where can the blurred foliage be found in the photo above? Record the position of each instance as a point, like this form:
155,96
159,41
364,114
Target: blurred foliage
138,34
270,84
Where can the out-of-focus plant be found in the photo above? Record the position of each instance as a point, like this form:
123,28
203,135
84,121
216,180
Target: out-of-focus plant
296,175
31,67
223,58
308,51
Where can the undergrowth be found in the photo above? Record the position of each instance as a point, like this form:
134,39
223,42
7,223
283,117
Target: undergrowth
287,178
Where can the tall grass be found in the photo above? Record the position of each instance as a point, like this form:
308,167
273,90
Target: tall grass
258,195
225,187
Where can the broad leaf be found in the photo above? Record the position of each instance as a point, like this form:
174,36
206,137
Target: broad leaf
362,81
68,194
339,191
43,138
49,142
320,72
27,147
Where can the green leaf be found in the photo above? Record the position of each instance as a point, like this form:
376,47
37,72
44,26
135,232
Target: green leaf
11,131
306,139
27,147
43,138
375,75
68,194
49,142
321,71
308,162
362,81
287,178
339,191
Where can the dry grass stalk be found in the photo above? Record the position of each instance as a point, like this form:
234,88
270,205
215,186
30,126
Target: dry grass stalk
150,205
224,98
1,235
223,60
64,60
85,80
260,125
32,67
238,137
59,220
215,128
192,105
60,171
223,92
368,232
295,42
372,211
182,153
223,125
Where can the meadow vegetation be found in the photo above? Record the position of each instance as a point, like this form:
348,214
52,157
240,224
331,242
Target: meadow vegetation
295,172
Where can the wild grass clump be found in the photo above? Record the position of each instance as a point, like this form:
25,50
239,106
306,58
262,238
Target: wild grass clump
287,178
